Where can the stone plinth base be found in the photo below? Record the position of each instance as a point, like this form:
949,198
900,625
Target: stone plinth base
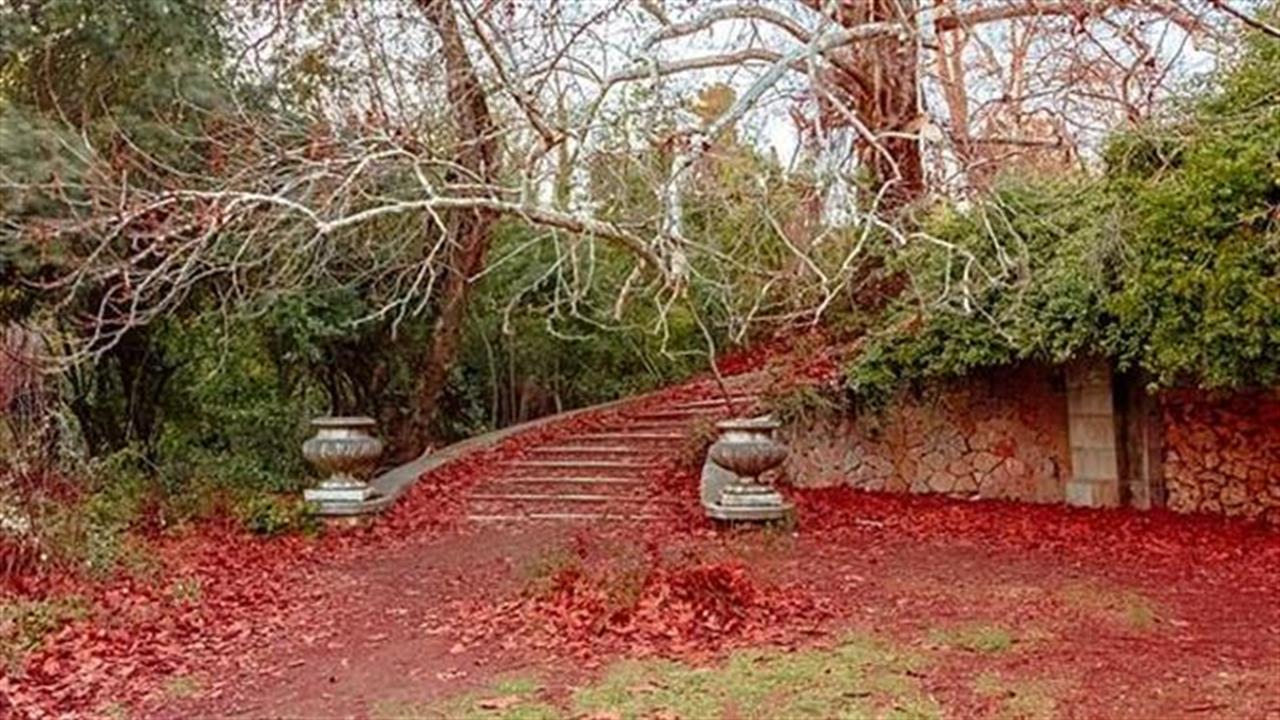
346,500
749,513
723,500
345,493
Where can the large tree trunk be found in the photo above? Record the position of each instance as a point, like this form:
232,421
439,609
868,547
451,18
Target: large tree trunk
468,230
880,78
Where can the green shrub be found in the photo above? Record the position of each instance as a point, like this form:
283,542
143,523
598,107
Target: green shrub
25,623
803,404
276,515
93,532
1168,262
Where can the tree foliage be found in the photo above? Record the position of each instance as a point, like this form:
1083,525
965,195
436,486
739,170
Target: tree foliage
1167,262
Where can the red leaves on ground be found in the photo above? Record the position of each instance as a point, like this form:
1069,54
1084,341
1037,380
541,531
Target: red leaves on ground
216,591
218,594
714,598
795,350
663,609
211,594
1157,542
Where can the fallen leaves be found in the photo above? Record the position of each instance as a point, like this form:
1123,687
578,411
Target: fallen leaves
1157,541
240,593
663,609
247,589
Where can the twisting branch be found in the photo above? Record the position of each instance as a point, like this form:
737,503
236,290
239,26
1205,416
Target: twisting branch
1247,19
572,120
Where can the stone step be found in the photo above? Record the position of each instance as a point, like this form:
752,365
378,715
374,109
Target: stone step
581,465
671,415
563,517
559,456
667,425
719,403
624,436
568,498
594,450
526,503
613,487
582,481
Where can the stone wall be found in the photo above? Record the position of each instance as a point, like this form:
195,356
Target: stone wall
1222,454
1020,433
1002,434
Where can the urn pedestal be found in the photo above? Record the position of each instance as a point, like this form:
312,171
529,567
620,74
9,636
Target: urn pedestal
344,449
747,449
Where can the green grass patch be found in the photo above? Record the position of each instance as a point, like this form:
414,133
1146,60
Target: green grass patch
1020,699
1123,606
513,698
859,678
180,687
25,623
980,638
115,711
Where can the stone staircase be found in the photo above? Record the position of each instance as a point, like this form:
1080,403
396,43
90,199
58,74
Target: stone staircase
606,473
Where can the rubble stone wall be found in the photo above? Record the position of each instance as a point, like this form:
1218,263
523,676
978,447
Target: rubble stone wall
1222,453
1001,434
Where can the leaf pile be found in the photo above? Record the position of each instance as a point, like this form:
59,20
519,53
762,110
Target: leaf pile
666,609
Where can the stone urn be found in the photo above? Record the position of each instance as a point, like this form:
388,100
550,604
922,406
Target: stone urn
747,449
344,450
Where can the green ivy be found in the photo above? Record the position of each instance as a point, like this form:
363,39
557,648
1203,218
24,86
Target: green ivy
1168,261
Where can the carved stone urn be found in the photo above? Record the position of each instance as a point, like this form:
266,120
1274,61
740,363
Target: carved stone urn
747,449
345,451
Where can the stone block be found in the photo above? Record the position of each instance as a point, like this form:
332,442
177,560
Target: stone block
1093,493
338,494
1088,372
942,482
1090,399
985,462
1016,468
1091,431
998,483
851,460
714,480
1201,439
1234,494
896,483
1095,464
933,460
951,444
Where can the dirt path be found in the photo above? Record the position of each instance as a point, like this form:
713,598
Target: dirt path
389,641
994,624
